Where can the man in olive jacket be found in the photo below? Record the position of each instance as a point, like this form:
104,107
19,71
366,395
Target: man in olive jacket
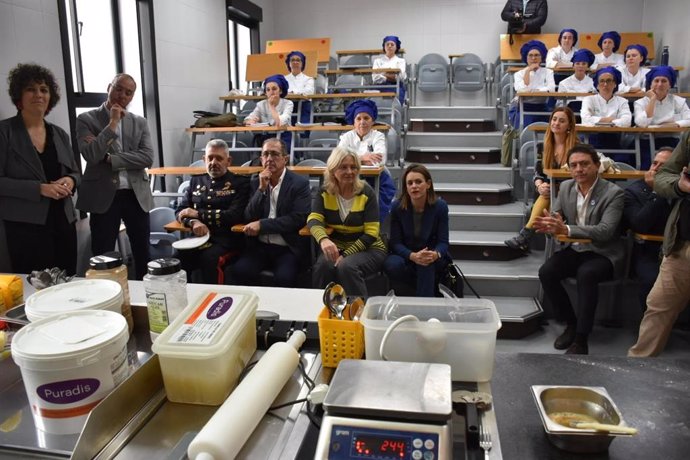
671,291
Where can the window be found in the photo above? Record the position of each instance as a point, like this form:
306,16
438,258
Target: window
244,18
100,39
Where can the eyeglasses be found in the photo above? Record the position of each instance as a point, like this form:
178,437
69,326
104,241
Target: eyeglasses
607,81
534,55
272,153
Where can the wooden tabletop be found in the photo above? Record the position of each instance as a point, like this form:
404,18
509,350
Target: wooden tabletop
623,175
617,129
369,51
567,239
299,128
254,97
648,237
247,170
176,226
320,127
235,129
360,70
639,94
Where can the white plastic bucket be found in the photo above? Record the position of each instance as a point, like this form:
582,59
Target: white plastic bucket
69,362
90,294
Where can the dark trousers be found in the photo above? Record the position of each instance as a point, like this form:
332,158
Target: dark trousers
205,259
350,272
405,274
588,268
105,228
36,247
261,256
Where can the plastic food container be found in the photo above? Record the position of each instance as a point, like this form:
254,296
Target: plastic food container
90,294
460,333
339,339
203,351
69,362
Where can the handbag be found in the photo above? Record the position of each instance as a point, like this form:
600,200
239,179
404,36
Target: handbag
454,279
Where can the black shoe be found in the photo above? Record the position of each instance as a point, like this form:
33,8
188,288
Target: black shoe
577,349
521,241
566,339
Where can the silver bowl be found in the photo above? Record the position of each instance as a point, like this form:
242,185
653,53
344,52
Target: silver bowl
592,401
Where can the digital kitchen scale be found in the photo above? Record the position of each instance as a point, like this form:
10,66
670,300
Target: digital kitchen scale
387,410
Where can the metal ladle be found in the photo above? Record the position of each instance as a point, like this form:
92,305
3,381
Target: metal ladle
335,298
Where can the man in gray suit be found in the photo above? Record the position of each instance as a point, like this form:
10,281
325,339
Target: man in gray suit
587,207
117,148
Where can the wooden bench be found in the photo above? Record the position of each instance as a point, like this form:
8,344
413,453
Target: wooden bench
586,40
236,130
260,66
637,132
322,47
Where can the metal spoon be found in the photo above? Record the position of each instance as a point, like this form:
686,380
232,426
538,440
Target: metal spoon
356,308
335,299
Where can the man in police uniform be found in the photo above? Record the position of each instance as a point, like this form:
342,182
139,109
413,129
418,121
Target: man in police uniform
213,203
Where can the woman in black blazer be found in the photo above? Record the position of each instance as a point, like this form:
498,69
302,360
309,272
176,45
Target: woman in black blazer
419,235
38,175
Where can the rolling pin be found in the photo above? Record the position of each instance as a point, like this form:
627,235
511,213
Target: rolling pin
235,420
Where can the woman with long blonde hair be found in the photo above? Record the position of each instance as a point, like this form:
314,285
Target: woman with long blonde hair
560,137
349,206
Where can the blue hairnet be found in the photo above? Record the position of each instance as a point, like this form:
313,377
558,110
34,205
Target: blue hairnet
530,45
358,106
641,48
583,55
301,56
391,38
613,35
660,71
613,71
280,81
572,31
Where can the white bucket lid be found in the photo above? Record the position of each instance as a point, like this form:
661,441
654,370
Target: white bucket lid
68,340
90,294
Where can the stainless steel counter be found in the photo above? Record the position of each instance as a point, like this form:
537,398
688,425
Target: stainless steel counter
136,421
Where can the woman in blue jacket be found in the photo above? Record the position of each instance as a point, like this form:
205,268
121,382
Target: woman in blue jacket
419,234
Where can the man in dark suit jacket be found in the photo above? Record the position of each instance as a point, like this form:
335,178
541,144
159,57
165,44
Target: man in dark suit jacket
278,208
587,207
646,212
116,145
212,204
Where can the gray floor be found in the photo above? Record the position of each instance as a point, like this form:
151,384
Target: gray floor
602,341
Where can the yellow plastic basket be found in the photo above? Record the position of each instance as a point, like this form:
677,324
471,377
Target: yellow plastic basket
340,339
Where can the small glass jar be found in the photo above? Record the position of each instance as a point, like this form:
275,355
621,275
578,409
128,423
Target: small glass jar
166,293
109,266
